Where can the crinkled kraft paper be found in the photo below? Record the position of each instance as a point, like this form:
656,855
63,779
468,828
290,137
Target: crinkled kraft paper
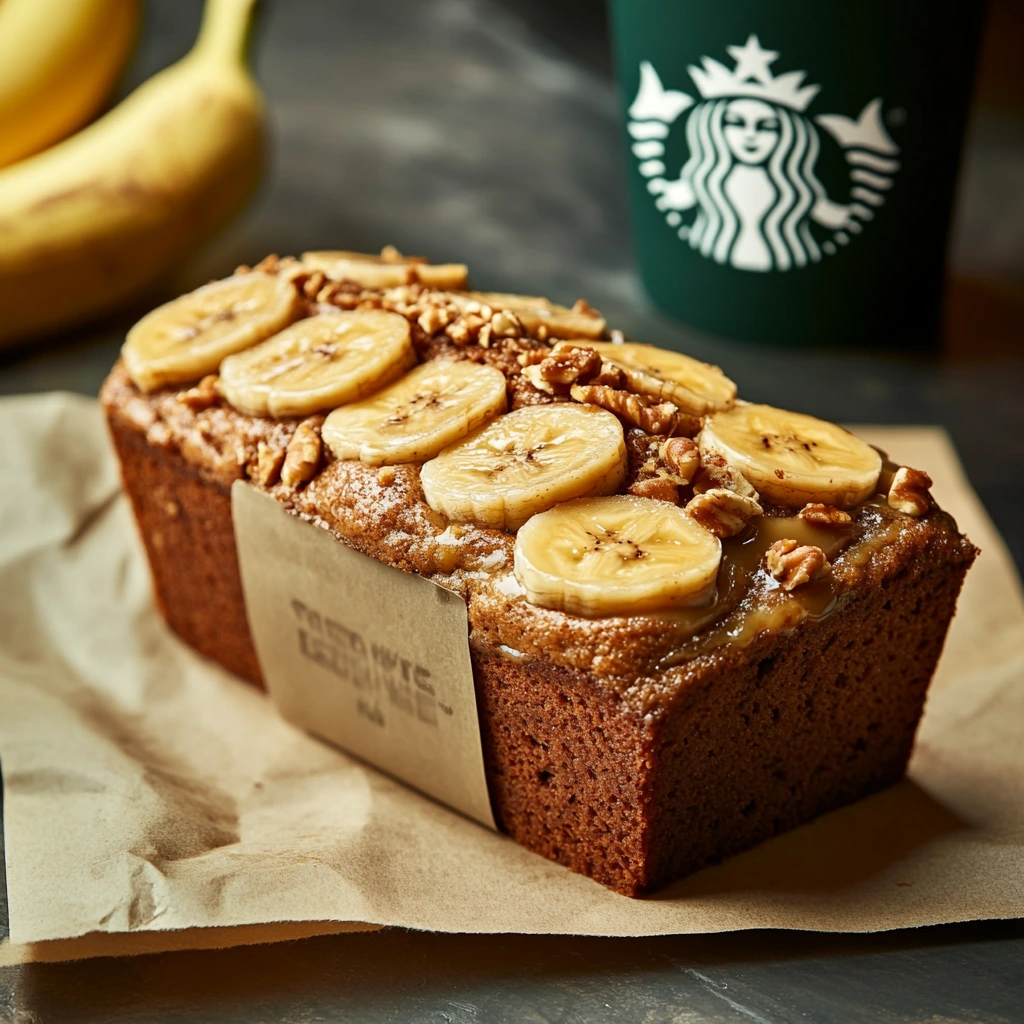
152,800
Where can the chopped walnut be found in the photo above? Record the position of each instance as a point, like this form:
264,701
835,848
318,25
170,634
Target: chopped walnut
312,285
794,564
521,391
481,309
611,376
269,264
532,356
478,322
715,471
269,460
909,491
303,456
202,396
565,366
506,324
643,412
533,374
434,319
721,512
682,458
466,328
824,515
657,487
329,292
386,476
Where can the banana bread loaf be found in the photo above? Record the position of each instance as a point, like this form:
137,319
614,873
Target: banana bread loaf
694,622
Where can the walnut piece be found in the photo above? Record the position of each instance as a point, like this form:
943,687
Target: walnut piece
909,491
646,413
568,364
533,375
721,512
269,460
312,285
824,515
203,395
303,455
269,264
657,487
611,376
564,366
794,564
434,319
505,324
682,458
716,472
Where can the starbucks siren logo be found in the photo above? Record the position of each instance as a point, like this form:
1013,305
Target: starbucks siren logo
750,173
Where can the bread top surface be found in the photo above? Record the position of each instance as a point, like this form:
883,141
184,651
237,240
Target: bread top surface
648,659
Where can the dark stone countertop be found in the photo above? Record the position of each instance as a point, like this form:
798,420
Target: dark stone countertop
486,132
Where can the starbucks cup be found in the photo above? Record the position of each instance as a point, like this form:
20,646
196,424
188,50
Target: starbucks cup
792,164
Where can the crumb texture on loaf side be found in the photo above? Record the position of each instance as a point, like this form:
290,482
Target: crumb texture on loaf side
186,528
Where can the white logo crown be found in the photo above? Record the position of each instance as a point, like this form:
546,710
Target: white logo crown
752,78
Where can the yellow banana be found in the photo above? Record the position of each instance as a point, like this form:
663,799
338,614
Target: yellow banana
98,218
59,60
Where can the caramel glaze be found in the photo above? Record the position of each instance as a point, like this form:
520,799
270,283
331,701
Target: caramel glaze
644,658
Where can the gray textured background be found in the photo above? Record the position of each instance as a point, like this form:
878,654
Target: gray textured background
486,132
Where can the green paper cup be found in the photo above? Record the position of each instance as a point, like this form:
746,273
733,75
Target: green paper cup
791,165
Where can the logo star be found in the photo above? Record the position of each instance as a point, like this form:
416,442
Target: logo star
752,61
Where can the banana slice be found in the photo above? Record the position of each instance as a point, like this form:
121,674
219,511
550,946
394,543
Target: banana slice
620,555
413,419
318,363
535,311
791,458
388,270
696,387
525,462
185,339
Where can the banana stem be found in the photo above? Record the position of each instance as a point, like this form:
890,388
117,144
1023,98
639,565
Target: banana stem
224,34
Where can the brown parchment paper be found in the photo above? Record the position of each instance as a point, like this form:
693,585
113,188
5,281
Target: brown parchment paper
147,791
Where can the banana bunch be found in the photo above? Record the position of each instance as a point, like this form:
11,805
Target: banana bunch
98,218
59,60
